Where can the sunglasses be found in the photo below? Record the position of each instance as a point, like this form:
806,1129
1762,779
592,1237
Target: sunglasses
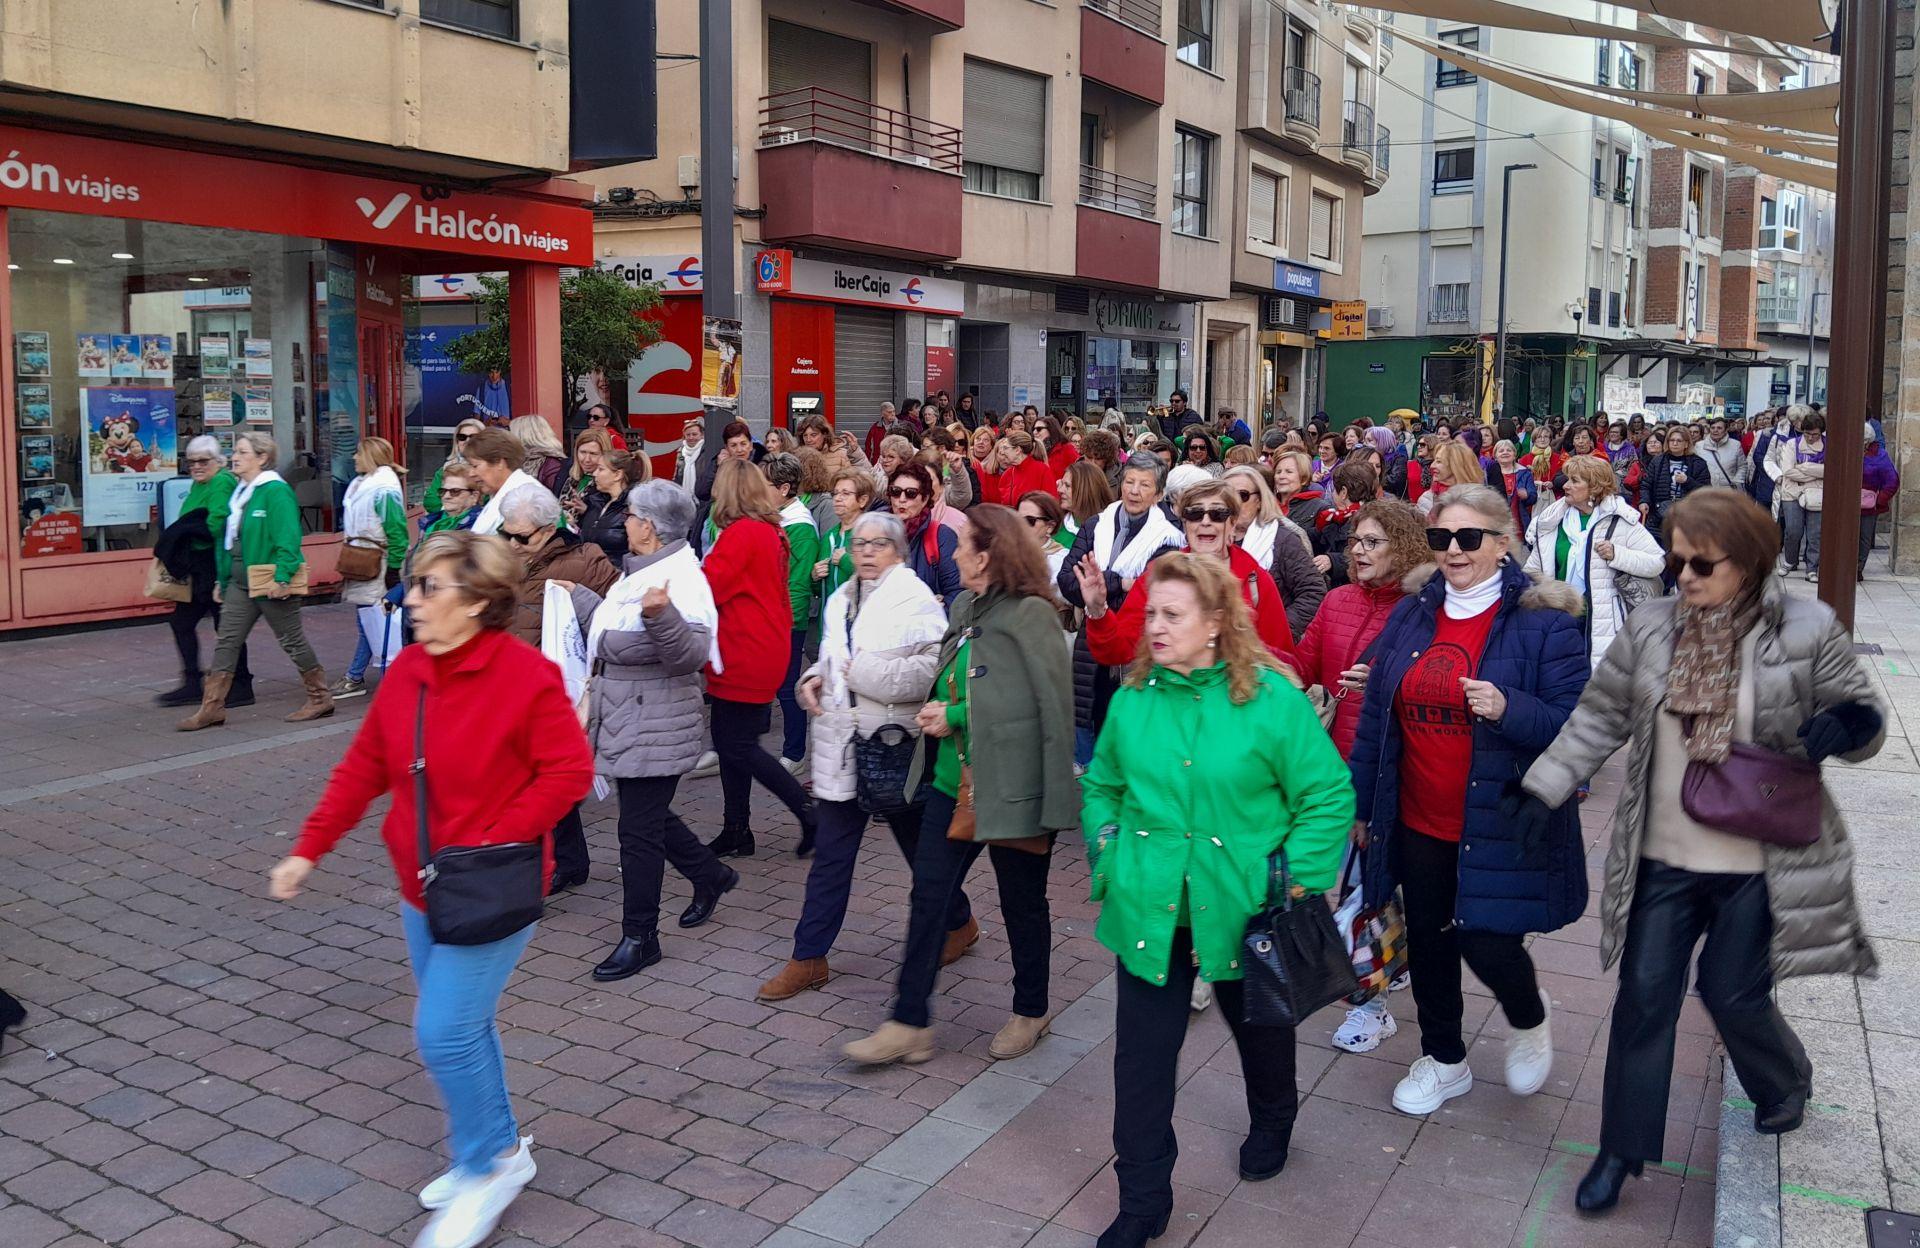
450,491
1700,565
428,586
1193,515
1246,496
1034,522
194,461
903,491
1440,539
521,539
462,437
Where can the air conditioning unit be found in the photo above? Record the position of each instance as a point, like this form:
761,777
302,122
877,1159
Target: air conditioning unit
1379,318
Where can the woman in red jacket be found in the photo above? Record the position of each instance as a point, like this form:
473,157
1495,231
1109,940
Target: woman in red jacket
747,570
1060,452
1207,513
1014,470
504,759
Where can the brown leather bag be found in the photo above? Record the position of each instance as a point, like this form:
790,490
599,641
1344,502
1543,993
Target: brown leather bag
965,823
361,560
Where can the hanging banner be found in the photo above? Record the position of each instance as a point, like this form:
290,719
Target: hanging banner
132,446
720,363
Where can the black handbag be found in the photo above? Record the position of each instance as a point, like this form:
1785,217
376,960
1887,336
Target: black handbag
1295,961
475,894
882,761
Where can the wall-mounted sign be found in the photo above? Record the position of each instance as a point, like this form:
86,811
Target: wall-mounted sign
1376,368
1296,279
779,272
1349,320
1113,313
675,274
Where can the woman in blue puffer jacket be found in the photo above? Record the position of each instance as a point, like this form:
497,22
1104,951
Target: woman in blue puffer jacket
1472,678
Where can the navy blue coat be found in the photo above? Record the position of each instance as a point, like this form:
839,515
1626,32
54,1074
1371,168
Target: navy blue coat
1537,655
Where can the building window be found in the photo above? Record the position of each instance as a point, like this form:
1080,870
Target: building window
1324,229
1593,305
1603,62
1299,46
1266,193
1622,177
1631,67
1004,130
1452,170
1196,33
1613,309
488,17
1446,75
1697,199
1192,178
1449,303
1780,221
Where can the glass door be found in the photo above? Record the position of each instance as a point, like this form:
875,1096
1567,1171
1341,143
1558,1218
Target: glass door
1065,355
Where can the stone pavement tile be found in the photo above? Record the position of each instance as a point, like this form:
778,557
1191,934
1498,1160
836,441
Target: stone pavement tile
794,1237
1032,1167
631,1199
1414,1213
278,1223
22,1226
942,1219
214,1196
719,1182
182,1232
1237,1224
543,1219
371,1206
55,1185
114,1214
929,1149
703,1224
855,1208
1095,1204
988,1102
1318,1188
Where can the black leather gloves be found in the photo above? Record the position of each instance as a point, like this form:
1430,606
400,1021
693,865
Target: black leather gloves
1840,730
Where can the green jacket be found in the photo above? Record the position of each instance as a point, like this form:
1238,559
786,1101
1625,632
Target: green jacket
431,499
1018,714
1187,796
269,533
803,551
213,496
393,526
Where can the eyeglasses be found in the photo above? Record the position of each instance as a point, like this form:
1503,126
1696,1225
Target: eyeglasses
1440,539
1034,522
904,491
1701,566
521,539
1193,515
462,437
870,543
428,586
1370,544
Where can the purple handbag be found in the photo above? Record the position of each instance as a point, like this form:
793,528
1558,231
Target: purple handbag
1755,793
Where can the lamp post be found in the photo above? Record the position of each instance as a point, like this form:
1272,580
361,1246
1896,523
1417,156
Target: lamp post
1813,321
1500,328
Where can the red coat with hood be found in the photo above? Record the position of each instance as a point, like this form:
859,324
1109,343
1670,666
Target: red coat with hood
1350,617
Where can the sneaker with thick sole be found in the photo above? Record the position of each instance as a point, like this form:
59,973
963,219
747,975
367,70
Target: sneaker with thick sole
440,1192
1202,996
1430,1084
471,1216
709,765
1364,1030
1400,982
347,687
1530,1054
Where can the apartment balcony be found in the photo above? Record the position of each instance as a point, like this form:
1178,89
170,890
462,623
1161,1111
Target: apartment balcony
1382,159
1362,23
1450,303
1116,236
947,14
1120,47
841,172
1356,135
1774,313
1302,94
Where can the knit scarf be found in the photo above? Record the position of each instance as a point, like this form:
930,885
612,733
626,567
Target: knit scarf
1704,682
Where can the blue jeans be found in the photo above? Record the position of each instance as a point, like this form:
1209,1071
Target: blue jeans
793,721
1083,742
362,652
830,878
460,987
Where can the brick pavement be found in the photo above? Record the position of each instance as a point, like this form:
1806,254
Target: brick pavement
208,1068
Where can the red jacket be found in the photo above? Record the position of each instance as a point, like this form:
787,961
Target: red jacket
747,569
1010,485
1114,638
505,755
1350,617
1061,458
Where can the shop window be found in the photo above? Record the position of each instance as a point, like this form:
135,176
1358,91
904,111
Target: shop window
486,17
133,337
1192,181
1467,38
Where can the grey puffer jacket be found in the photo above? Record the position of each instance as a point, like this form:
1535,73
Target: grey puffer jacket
1803,664
645,715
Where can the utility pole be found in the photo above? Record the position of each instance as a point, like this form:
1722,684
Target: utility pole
1813,320
1500,328
717,250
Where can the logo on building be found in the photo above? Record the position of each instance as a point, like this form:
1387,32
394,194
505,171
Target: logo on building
688,274
452,283
913,291
382,217
773,271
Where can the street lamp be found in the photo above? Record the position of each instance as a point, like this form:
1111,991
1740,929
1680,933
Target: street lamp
1500,330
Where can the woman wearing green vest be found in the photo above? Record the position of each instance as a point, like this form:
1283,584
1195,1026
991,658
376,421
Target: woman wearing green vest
1210,760
186,550
262,531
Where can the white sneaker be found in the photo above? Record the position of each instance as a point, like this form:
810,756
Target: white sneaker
709,765
1400,981
1364,1030
1430,1084
1530,1054
794,766
1202,995
467,1219
440,1192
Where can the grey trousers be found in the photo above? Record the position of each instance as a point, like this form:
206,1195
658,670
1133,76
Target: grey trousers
238,614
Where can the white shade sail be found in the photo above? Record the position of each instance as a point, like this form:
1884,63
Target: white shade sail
1514,17
1810,110
1808,23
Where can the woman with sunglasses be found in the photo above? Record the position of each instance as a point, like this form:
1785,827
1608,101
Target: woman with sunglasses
1472,676
462,432
185,549
1277,544
930,543
1044,517
1730,660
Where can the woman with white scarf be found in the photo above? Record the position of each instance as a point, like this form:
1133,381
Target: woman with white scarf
373,513
648,641
496,457
1589,538
879,645
1278,545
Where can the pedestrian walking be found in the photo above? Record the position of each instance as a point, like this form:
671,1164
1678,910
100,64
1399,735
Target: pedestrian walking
373,519
1277,544
1590,540
1879,482
185,548
932,544
602,518
495,456
1677,472
1798,465
783,473
462,432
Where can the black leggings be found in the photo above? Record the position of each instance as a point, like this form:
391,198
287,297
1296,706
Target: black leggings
737,729
185,623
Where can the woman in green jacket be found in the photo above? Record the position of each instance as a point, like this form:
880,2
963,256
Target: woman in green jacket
1210,760
1001,724
185,548
262,530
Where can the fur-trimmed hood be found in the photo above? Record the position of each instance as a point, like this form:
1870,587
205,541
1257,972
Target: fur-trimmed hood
1535,593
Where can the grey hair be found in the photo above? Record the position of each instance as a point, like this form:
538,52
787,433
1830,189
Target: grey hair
1146,461
536,507
891,527
207,444
260,444
1798,413
664,505
1484,501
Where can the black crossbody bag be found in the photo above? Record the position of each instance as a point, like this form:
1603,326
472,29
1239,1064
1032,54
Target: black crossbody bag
476,894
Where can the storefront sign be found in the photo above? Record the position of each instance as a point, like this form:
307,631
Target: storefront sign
442,385
103,177
673,274
779,272
1114,314
446,287
663,382
942,370
1295,279
1621,397
55,534
1349,320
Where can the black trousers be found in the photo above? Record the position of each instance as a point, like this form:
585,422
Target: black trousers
1672,908
940,867
830,879
1428,869
1150,1024
651,836
737,728
570,844
185,623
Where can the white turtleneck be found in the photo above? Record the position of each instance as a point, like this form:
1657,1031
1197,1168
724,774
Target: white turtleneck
1464,604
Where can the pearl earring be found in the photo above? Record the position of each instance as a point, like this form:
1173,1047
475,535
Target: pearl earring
1213,641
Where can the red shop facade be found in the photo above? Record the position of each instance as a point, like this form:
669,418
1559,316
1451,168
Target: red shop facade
151,294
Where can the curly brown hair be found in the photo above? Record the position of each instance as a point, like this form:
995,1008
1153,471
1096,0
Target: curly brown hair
1406,534
1217,592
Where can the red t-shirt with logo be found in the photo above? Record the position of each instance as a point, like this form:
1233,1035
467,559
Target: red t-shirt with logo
1436,729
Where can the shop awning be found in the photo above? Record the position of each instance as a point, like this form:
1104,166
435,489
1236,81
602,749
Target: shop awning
1698,352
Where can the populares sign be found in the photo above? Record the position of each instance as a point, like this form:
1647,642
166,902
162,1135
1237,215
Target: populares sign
102,177
779,272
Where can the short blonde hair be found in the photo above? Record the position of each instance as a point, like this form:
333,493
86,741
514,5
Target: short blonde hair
1269,507
376,453
260,444
484,568
1597,473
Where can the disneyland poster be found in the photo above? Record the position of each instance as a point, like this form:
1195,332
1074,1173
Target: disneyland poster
132,446
124,357
90,354
156,356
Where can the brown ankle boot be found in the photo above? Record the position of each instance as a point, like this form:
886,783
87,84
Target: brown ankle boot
319,703
796,977
213,703
959,940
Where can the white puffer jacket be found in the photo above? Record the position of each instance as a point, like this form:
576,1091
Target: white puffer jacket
877,673
1635,553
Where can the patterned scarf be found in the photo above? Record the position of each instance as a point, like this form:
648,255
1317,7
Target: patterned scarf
1704,681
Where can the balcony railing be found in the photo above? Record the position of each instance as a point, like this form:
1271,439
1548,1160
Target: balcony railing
1302,91
1383,151
817,115
1356,127
1143,15
1116,192
1448,303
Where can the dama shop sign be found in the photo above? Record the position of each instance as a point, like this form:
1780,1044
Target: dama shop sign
105,177
781,273
1112,313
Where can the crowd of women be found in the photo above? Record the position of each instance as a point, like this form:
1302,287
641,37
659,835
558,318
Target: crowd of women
1222,663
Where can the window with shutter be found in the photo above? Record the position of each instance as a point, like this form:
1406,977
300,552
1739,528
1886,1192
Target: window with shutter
1323,229
833,66
1263,208
1004,119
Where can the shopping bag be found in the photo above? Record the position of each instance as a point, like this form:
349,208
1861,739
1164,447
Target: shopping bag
383,627
1376,937
164,587
562,641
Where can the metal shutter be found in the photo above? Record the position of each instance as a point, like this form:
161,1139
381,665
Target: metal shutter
800,56
1320,229
1263,198
863,376
1004,116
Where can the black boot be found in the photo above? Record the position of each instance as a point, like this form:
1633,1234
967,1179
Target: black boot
12,1014
1133,1230
1783,1117
188,693
734,841
629,957
700,909
809,829
564,880
242,693
1600,1190
1264,1154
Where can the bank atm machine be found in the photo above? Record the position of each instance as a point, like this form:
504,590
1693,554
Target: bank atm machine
803,404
